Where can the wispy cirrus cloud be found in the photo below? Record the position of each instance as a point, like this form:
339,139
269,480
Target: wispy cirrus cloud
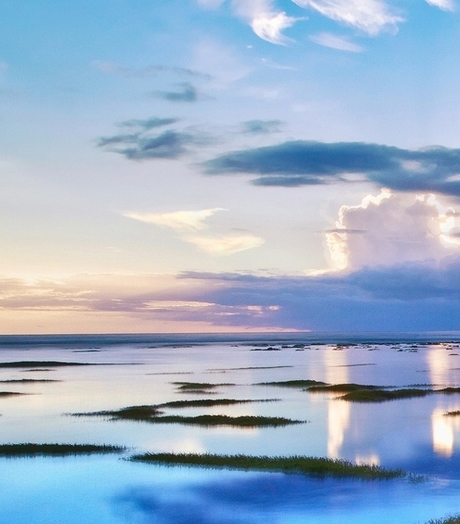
336,42
187,223
445,5
303,163
226,244
186,93
255,127
146,142
370,16
181,221
145,72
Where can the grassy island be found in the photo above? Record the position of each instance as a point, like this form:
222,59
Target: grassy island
56,450
312,466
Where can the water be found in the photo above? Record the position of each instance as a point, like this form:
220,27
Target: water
411,434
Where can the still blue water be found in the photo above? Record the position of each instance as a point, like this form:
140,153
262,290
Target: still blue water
412,434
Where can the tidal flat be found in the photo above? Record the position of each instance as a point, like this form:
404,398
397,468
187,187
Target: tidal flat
297,379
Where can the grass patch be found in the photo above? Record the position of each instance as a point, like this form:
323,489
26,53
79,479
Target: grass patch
382,395
39,364
210,402
57,450
312,466
137,413
294,383
343,388
452,413
198,387
155,416
27,381
4,394
250,368
452,519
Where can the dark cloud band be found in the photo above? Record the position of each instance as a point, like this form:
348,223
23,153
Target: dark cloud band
303,163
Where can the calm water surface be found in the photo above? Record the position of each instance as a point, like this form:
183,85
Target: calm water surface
412,434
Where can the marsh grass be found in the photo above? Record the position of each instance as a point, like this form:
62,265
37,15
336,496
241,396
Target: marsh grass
452,519
382,395
312,466
40,364
201,388
4,394
154,415
211,402
57,450
294,383
343,388
452,413
27,381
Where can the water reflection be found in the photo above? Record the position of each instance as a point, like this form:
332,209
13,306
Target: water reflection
443,433
338,412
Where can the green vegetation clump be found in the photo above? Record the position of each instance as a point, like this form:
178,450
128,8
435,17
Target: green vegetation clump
453,519
136,413
33,450
209,402
5,394
382,395
294,384
153,415
343,388
40,364
198,387
452,413
27,381
312,466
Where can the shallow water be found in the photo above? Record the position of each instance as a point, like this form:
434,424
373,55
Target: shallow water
412,434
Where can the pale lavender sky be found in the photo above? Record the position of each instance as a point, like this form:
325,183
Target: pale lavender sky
229,165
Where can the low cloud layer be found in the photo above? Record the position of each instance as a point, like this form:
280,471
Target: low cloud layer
303,163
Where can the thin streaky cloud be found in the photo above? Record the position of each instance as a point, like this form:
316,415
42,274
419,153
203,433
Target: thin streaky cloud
149,123
370,16
186,93
181,221
223,245
445,5
144,72
335,42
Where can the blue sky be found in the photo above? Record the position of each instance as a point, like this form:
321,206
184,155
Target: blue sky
229,165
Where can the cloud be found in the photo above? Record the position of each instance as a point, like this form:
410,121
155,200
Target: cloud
335,42
150,123
185,223
187,93
182,221
370,16
445,5
392,229
267,22
303,163
145,72
261,126
226,244
145,142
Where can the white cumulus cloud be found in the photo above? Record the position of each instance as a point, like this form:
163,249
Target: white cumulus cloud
391,229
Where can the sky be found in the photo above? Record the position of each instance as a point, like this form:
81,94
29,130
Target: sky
229,166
